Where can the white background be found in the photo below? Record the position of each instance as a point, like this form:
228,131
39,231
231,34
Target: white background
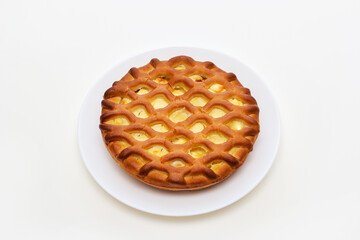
308,52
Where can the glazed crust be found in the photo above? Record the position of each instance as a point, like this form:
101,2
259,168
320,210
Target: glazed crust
227,111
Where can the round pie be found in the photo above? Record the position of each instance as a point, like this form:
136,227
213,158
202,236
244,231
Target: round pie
179,124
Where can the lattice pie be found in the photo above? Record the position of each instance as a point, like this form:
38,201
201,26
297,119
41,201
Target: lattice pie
179,124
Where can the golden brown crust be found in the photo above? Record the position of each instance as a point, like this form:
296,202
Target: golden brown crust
229,116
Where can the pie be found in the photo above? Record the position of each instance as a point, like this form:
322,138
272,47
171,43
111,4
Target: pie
179,124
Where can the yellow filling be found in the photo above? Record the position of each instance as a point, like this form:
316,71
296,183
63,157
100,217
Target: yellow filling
216,137
198,151
234,150
236,101
159,101
216,165
141,90
161,80
160,127
217,88
115,99
179,89
125,100
180,67
179,140
118,120
217,112
140,111
197,77
199,101
158,150
122,144
179,115
120,100
236,124
140,135
198,126
177,163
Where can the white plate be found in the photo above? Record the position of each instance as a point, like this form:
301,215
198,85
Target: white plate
138,195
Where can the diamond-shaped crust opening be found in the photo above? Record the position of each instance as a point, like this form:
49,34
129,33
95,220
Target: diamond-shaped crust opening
140,111
198,77
159,127
217,165
180,67
158,150
199,100
120,100
198,126
234,150
179,89
162,79
159,101
118,120
217,137
179,115
179,124
142,89
217,112
139,135
236,124
236,101
198,151
181,139
177,162
217,88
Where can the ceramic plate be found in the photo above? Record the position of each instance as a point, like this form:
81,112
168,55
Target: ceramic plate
138,195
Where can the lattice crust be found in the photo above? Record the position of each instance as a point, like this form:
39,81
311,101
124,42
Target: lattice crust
179,124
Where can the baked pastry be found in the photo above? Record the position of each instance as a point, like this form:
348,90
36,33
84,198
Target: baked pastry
179,124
